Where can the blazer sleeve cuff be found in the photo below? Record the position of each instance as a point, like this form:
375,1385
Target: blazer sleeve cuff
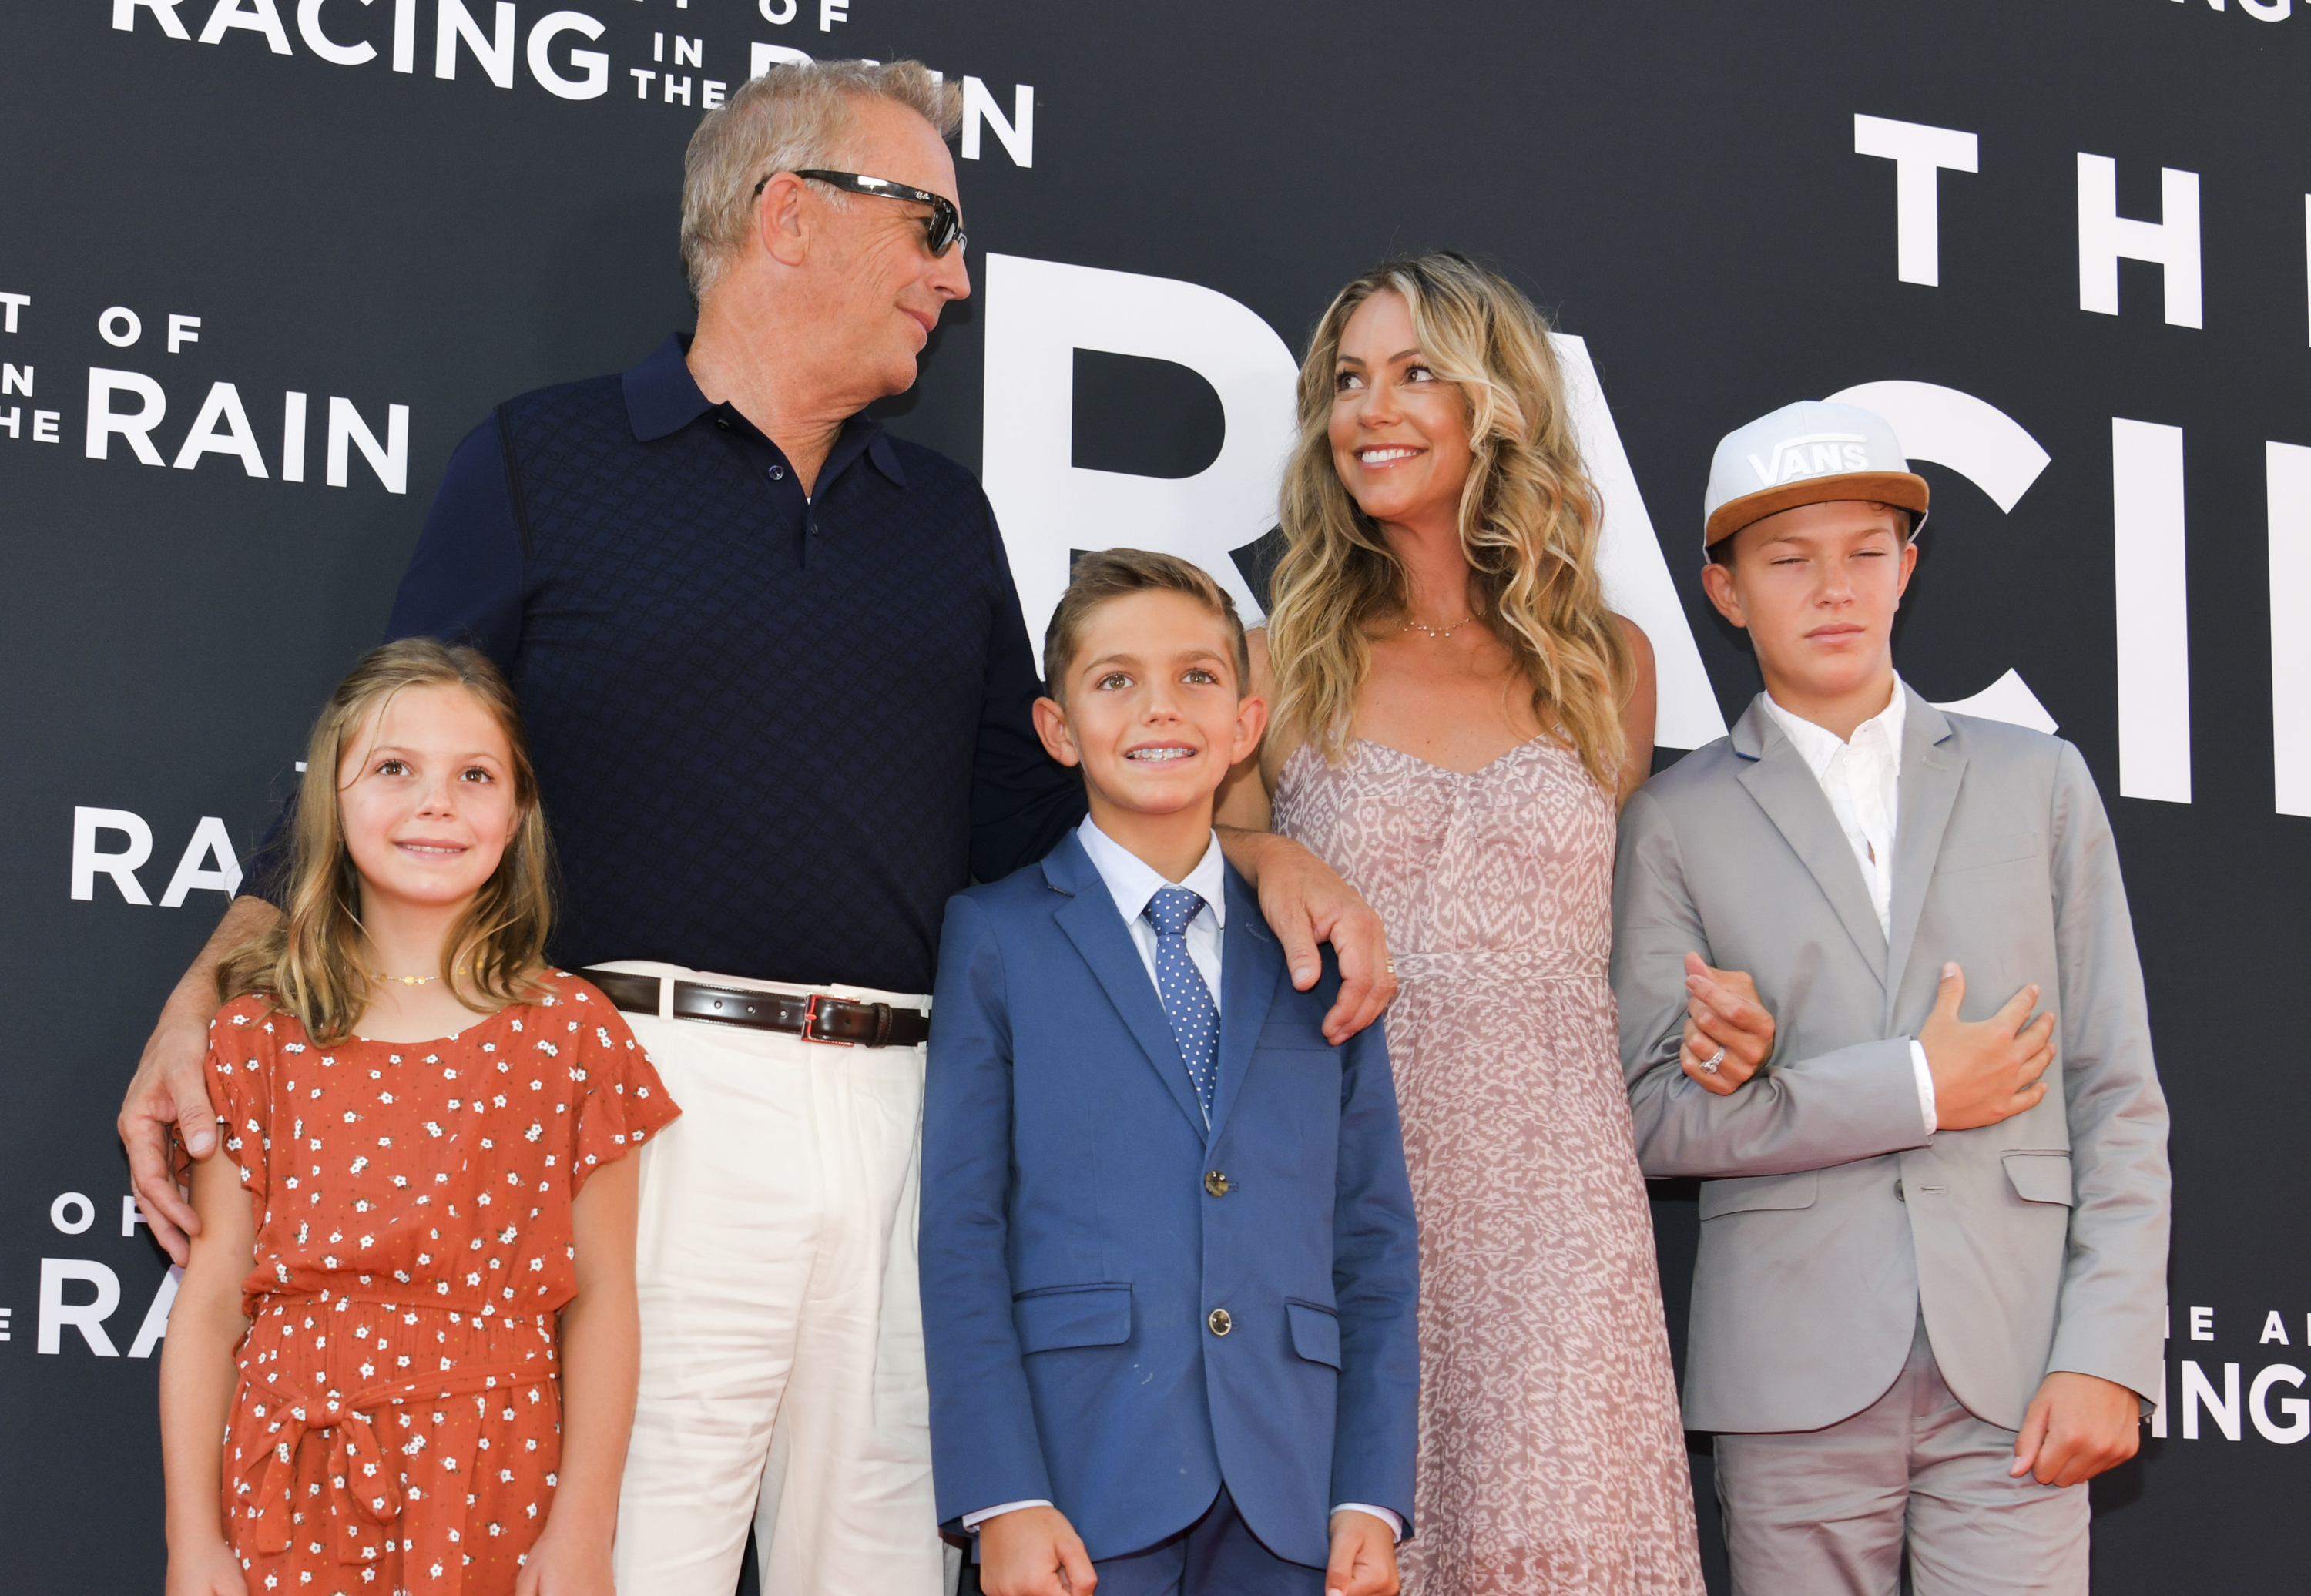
2145,1374
971,1520
1856,1102
1395,1524
1924,1074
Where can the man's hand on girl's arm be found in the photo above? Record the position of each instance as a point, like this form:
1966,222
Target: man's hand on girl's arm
170,1088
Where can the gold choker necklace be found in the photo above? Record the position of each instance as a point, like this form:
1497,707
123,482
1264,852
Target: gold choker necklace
412,980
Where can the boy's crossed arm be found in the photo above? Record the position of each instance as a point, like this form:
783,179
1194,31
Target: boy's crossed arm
1983,1070
1852,1103
1676,1010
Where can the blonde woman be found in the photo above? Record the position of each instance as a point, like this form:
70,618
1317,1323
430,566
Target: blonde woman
1458,717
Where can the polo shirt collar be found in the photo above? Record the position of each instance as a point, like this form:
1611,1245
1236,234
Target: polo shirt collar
879,449
662,398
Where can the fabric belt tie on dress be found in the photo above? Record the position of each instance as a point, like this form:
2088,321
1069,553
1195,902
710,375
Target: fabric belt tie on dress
363,1486
815,1016
1506,965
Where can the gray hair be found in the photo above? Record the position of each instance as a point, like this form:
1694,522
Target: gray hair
794,116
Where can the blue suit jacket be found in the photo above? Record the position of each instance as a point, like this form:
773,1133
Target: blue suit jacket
1076,1235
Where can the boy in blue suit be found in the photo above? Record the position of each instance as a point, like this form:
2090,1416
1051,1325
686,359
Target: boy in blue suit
1169,1266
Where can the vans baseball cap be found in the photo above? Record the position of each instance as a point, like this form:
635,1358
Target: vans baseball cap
1807,453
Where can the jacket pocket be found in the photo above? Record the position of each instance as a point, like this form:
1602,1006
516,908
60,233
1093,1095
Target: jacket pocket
1752,1193
1315,1332
1056,1316
1990,850
1294,1036
2040,1177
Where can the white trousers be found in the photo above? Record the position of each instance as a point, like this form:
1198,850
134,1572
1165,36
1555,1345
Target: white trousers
782,1328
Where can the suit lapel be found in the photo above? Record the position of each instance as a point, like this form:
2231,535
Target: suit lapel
1251,964
1776,775
1089,919
1931,771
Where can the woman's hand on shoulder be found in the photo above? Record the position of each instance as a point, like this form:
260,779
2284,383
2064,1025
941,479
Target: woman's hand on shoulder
1638,710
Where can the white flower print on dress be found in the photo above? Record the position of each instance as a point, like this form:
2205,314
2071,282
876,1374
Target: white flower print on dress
439,1499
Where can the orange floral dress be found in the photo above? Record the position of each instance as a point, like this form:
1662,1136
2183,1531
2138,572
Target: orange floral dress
398,1423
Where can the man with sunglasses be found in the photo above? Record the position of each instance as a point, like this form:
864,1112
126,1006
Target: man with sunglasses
777,691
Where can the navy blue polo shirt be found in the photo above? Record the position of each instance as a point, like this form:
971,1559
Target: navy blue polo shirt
773,732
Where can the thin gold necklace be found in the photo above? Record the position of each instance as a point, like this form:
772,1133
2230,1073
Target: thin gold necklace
413,981
1439,632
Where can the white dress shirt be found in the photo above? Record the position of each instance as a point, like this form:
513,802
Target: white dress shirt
1861,777
1132,882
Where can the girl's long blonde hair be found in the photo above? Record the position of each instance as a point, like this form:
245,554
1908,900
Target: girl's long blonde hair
309,964
1529,523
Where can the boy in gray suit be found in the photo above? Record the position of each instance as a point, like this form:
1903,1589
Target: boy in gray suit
1930,1294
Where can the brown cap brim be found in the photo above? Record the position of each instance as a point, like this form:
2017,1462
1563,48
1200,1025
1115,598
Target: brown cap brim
1904,490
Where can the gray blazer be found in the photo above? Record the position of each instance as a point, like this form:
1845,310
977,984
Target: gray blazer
1828,1218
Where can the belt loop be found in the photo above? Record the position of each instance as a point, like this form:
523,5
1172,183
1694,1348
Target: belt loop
882,1024
665,997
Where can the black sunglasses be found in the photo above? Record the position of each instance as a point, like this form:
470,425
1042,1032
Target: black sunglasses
942,228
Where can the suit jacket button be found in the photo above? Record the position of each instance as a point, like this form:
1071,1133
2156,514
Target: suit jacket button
1897,1193
1216,1182
1219,1322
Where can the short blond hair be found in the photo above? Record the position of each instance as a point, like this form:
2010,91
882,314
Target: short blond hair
793,117
1110,574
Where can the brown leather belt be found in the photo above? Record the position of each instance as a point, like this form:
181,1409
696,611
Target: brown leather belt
837,1022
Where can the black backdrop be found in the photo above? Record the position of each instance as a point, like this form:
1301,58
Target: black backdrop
1679,182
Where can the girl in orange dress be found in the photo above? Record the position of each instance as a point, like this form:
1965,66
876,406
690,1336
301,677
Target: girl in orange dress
409,1313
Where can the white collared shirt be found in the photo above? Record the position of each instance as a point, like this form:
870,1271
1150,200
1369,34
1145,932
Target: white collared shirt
1861,778
1132,882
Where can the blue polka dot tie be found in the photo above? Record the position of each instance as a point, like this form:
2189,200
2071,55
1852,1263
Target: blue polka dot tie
1187,1000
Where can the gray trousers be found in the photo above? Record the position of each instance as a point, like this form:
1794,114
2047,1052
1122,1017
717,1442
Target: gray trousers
1826,1513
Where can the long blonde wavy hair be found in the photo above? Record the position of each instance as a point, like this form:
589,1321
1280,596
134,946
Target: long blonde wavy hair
310,964
1529,519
